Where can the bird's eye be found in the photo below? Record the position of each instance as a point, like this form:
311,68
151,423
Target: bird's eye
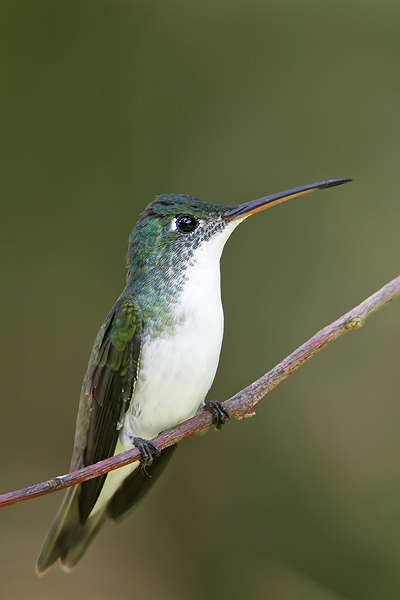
186,223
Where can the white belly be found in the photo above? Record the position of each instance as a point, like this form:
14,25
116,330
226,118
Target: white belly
176,376
176,371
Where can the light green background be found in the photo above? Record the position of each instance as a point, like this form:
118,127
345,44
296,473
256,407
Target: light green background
105,104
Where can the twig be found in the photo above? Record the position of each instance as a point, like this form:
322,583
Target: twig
240,405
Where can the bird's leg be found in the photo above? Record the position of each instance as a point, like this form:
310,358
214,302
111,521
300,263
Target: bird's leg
219,413
147,449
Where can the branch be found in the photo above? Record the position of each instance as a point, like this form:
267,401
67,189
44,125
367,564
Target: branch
240,405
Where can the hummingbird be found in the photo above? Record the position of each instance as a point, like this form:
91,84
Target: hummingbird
153,360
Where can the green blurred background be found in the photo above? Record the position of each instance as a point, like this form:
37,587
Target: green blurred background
105,104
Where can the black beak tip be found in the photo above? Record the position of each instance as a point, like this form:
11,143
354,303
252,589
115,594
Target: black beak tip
332,183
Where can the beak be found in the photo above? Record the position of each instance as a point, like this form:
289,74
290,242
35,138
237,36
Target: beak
254,206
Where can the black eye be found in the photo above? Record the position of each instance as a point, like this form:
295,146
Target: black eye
186,224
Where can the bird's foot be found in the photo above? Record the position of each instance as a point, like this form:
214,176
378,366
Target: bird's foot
147,449
219,413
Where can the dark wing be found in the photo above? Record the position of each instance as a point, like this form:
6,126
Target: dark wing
109,387
137,484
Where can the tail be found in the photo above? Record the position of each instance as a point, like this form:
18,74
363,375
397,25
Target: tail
69,537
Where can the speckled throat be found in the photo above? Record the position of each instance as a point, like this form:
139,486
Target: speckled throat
160,258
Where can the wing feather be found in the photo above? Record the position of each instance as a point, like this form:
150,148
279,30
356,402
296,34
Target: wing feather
108,388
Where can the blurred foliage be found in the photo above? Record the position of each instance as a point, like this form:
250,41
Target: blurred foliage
105,104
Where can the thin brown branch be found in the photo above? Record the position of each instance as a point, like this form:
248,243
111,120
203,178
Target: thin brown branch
240,405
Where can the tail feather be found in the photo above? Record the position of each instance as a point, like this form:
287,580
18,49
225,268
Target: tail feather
68,539
79,543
